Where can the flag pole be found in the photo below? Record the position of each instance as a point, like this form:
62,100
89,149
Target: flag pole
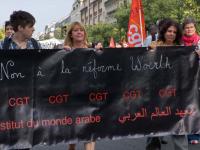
141,25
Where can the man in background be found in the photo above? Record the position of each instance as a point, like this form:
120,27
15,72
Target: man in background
8,29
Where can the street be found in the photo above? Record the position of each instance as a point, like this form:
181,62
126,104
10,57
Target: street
123,144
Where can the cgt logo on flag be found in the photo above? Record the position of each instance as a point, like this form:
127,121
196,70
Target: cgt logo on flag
134,37
136,29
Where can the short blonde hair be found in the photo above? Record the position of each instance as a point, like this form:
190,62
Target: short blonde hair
68,39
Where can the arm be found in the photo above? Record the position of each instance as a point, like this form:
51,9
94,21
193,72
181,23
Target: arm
198,48
153,45
1,44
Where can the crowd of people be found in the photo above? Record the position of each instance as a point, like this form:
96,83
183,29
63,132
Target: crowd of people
18,35
170,34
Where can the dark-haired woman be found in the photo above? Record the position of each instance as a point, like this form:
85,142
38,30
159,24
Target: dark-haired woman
169,35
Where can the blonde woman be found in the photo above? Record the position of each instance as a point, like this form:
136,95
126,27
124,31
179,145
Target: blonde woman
77,38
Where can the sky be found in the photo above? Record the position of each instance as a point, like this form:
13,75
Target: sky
44,11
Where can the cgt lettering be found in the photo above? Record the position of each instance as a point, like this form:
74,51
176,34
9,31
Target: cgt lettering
131,95
59,99
167,92
98,96
19,101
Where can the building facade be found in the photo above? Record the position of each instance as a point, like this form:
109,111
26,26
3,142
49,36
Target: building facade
91,12
111,7
75,13
63,22
49,29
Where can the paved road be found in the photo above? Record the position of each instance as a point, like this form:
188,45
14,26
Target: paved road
123,144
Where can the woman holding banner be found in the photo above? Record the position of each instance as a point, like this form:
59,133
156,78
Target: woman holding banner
77,38
169,35
191,38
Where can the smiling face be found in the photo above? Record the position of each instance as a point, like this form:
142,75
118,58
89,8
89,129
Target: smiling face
78,34
170,34
189,29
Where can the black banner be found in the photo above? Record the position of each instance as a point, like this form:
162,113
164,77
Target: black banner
51,96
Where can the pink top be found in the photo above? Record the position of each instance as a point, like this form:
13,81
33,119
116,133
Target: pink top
191,40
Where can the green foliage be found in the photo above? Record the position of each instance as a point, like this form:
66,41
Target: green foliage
191,8
57,33
102,32
46,37
63,31
122,17
176,9
157,9
1,34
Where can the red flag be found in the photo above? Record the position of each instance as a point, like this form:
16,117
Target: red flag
136,28
112,43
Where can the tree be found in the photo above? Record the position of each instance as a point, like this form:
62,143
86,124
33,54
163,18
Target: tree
2,34
175,9
57,33
122,17
159,9
46,36
189,8
105,30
